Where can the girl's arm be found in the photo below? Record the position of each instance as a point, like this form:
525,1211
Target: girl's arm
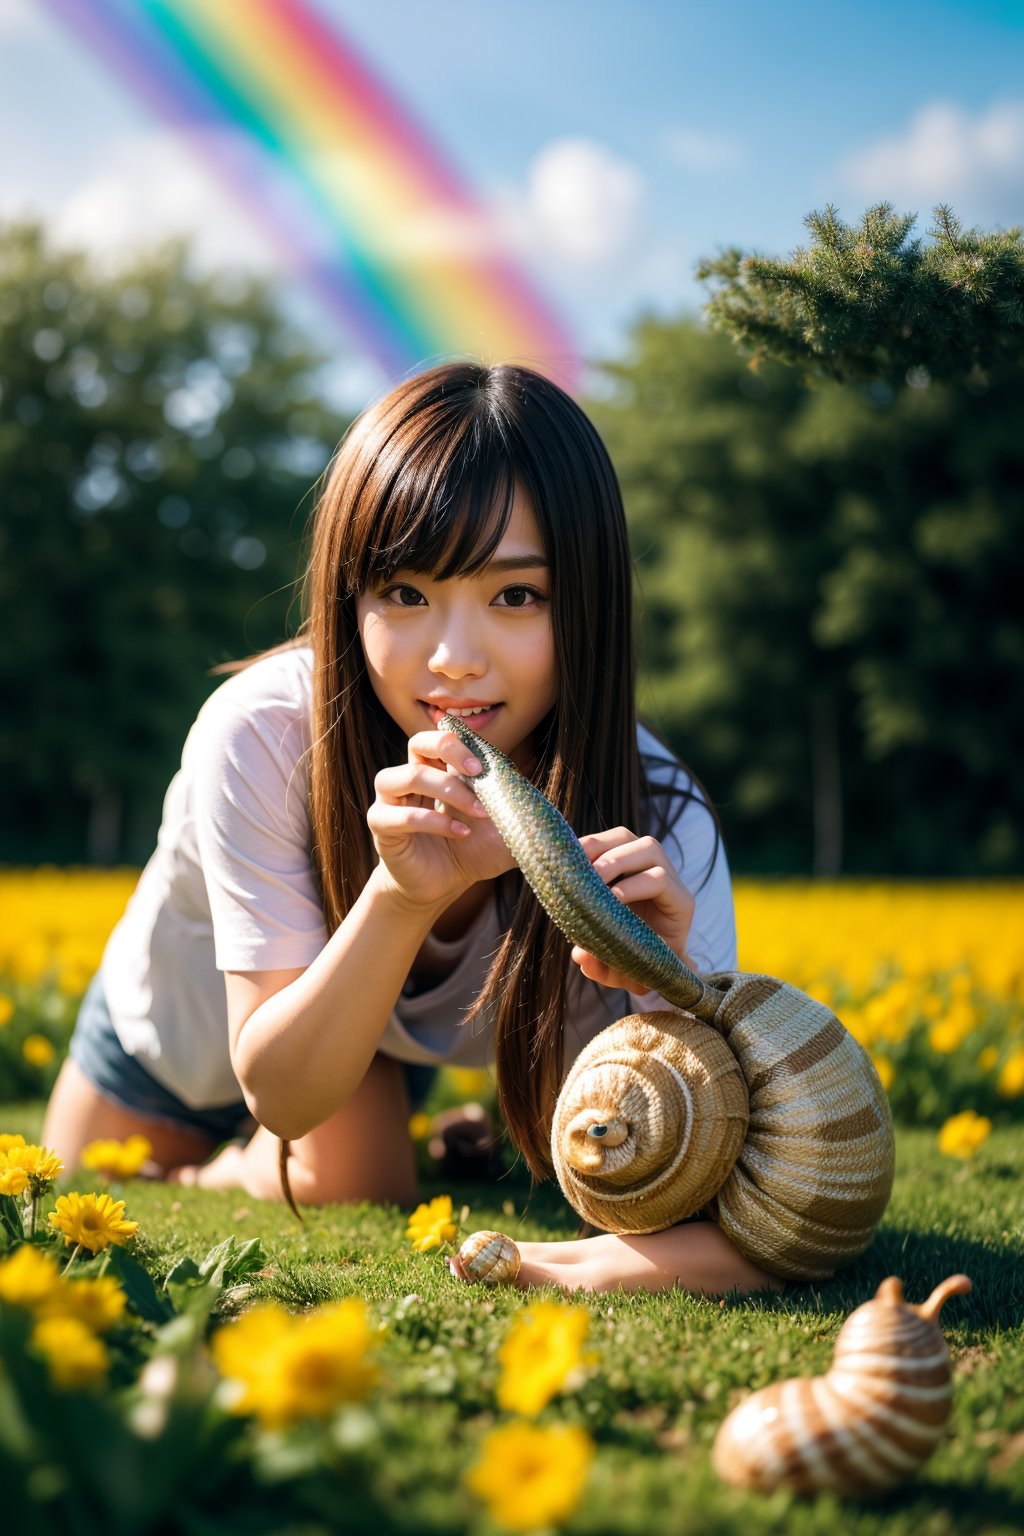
302,1040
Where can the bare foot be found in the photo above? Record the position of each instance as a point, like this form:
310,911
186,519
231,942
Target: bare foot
225,1171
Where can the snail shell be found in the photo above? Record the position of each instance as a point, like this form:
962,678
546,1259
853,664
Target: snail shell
865,1426
786,1140
490,1257
648,1123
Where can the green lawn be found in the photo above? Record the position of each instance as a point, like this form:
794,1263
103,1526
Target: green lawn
666,1369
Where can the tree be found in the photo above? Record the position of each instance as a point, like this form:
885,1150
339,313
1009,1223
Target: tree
831,576
869,303
159,433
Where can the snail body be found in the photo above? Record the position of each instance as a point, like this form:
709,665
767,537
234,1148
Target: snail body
651,1126
865,1426
490,1257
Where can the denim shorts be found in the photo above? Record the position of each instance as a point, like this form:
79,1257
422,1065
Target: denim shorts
99,1056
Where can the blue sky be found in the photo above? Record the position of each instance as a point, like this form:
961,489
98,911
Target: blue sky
617,142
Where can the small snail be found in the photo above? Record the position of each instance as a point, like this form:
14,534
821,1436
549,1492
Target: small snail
490,1257
865,1426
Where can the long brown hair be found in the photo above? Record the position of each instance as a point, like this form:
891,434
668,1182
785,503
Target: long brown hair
424,481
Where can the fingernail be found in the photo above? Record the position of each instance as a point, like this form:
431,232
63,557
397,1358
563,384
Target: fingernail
460,827
472,764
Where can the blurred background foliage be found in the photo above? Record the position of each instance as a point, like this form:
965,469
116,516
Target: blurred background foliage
830,572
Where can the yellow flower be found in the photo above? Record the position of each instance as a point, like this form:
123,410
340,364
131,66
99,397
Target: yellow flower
469,1082
543,1349
9,1139
13,1181
531,1477
988,1058
419,1126
99,1303
1010,1082
94,1221
74,1354
38,1051
39,1164
947,1036
290,1368
431,1225
883,1066
28,1277
963,1134
117,1159
6,1009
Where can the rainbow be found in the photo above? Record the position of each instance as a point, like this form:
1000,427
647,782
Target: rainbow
358,203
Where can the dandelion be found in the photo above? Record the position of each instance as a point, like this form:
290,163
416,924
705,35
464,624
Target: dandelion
91,1221
542,1353
988,1058
117,1159
6,1009
13,1181
530,1477
28,1277
74,1355
947,1036
883,1066
9,1139
98,1302
419,1126
1010,1082
431,1225
38,1051
40,1165
285,1369
963,1134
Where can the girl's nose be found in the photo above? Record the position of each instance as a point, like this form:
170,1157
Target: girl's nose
455,655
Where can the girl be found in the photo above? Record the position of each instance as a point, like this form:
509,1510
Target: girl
329,903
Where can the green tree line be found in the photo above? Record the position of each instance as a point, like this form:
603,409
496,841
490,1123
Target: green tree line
828,554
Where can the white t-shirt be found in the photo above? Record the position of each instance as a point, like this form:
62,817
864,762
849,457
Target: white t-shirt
230,887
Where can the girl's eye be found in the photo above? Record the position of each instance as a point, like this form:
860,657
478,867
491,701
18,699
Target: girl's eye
519,597
403,596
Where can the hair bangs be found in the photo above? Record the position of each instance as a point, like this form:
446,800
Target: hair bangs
445,525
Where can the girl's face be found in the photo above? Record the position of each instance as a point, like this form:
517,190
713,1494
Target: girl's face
482,642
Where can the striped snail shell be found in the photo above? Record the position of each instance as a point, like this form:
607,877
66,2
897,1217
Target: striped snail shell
865,1426
766,1116
490,1257
649,1122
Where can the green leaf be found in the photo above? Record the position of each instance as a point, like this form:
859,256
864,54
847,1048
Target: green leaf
143,1297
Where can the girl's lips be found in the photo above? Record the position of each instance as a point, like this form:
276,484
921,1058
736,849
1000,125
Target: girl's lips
475,722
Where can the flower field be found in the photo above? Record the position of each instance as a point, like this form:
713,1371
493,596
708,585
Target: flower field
184,1360
930,978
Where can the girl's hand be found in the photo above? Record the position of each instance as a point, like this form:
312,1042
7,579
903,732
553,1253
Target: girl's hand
431,856
639,872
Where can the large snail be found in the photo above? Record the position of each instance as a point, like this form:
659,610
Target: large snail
869,1423
754,1106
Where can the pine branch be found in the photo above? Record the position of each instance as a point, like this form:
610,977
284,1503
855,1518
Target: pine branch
868,302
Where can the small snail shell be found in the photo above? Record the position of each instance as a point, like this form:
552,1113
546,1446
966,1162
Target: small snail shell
649,1122
490,1257
865,1426
767,1116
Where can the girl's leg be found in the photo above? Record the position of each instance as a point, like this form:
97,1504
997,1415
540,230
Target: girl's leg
363,1152
79,1113
696,1257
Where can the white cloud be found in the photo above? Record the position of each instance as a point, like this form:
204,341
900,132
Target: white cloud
582,206
947,156
704,153
152,188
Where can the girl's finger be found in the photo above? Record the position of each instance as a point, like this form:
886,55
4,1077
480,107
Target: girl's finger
431,784
385,820
443,747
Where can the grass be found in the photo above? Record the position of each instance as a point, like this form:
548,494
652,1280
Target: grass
667,1368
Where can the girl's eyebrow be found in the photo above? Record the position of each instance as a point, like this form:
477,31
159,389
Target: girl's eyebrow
516,563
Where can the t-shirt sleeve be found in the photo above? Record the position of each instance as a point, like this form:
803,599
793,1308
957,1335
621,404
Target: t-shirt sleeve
252,830
698,854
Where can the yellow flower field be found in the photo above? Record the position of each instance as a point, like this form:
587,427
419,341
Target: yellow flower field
929,977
